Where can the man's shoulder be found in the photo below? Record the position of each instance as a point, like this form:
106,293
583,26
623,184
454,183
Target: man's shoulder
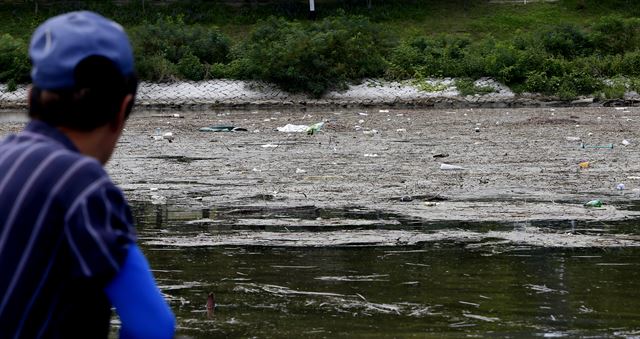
53,168
38,157
62,161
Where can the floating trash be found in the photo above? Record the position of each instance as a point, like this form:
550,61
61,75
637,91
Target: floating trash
448,167
583,145
315,128
168,136
290,128
594,203
222,128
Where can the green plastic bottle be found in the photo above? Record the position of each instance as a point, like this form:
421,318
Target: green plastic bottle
315,128
594,203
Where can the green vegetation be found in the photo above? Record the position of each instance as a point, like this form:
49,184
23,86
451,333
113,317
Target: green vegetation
313,58
568,48
467,86
429,86
168,49
14,65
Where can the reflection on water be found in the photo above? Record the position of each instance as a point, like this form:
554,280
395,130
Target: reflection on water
430,290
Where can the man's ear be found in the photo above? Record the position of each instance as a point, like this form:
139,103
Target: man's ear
121,117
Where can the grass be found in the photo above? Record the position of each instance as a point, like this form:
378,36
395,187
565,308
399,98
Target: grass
405,18
563,48
468,87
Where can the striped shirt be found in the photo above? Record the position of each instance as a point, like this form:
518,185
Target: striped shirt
64,232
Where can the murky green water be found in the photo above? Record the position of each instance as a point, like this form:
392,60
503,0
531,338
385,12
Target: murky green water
438,289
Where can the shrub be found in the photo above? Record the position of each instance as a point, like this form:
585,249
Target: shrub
615,89
170,39
404,61
314,58
14,61
537,82
156,68
567,41
173,39
190,67
600,65
500,61
566,91
634,84
527,60
615,35
555,66
219,70
582,82
630,64
445,55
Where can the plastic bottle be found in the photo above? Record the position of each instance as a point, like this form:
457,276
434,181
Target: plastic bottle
158,134
594,203
314,128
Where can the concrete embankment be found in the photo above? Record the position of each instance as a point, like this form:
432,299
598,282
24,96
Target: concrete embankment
234,93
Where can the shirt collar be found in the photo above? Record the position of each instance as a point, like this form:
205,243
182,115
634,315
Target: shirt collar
44,129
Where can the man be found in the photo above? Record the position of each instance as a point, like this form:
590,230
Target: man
67,243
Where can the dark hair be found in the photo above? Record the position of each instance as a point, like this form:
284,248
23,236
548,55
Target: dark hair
94,100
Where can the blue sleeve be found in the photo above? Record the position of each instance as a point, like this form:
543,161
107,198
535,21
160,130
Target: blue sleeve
142,310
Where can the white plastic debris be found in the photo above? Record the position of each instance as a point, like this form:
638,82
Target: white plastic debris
168,136
370,132
573,138
157,135
290,128
269,146
157,199
626,142
449,167
371,155
300,170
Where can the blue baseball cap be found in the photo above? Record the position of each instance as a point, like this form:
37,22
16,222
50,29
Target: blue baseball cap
62,42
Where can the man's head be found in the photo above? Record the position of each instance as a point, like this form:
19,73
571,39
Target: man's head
83,73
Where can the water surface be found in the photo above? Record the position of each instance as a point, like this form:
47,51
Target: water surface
435,289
